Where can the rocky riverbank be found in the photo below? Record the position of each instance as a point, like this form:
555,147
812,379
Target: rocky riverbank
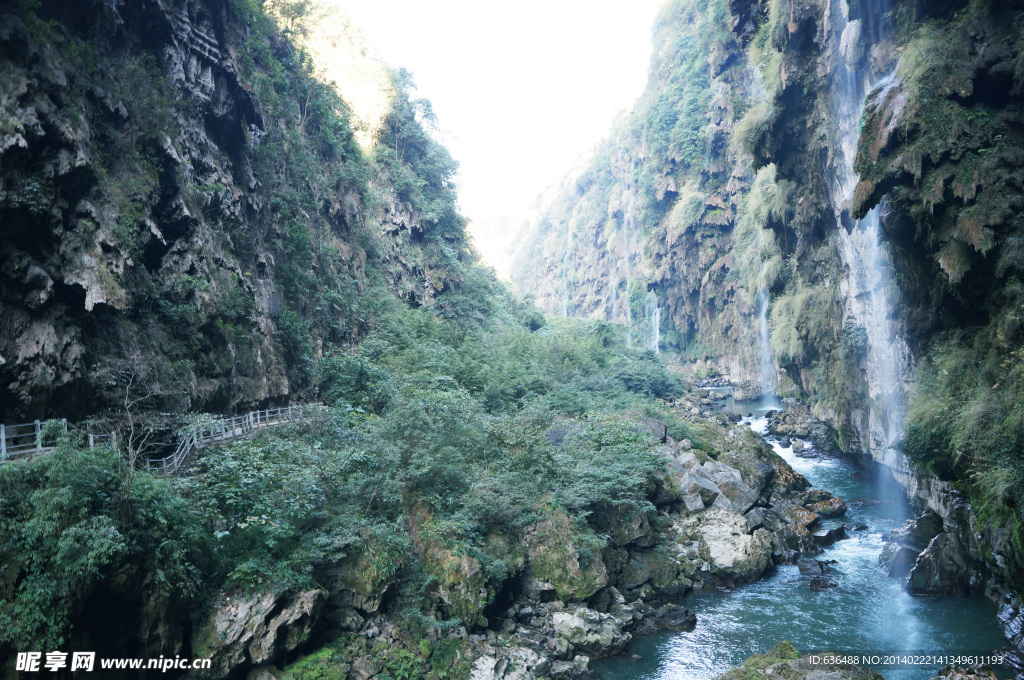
726,510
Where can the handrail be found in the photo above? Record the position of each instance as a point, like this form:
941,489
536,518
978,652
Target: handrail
28,438
223,429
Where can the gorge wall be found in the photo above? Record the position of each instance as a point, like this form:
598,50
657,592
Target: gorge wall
181,196
846,174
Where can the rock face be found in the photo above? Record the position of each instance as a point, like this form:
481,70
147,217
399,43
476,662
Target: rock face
256,630
942,568
139,217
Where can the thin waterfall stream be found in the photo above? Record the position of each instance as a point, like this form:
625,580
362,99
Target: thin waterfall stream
766,367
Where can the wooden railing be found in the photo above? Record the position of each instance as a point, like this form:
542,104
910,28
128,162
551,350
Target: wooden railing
222,429
29,438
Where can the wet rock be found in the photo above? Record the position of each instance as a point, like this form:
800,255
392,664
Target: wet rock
590,632
798,446
813,567
785,442
1011,616
826,537
674,617
795,540
917,533
897,560
942,568
833,507
820,583
857,526
796,515
785,662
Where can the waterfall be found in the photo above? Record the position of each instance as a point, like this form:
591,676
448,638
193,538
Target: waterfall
868,278
653,314
565,270
766,369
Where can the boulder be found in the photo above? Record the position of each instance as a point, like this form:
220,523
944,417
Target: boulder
826,537
591,633
820,583
655,428
667,617
696,483
917,533
812,496
510,663
625,524
557,563
795,539
813,567
796,516
674,617
685,445
693,503
730,551
942,568
798,446
687,460
833,507
755,518
730,482
897,560
256,630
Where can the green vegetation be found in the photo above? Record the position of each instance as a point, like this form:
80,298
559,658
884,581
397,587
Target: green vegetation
444,450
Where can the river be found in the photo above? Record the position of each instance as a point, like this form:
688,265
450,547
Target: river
867,613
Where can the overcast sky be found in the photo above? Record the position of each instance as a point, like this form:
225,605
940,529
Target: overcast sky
521,89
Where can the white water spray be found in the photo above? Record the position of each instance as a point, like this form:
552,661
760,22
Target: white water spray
868,277
653,314
766,368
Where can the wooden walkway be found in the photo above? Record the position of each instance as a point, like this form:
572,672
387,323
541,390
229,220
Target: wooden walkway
29,439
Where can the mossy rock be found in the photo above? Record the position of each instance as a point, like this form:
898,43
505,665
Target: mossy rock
784,661
568,557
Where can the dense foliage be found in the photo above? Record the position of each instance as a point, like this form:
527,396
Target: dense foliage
434,450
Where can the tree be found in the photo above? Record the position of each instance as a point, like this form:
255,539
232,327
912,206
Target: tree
136,385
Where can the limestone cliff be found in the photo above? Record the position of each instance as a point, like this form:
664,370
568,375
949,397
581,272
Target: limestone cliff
175,184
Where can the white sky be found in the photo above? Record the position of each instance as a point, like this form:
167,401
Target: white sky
521,89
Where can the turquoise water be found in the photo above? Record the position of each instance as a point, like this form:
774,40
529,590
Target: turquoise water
867,614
